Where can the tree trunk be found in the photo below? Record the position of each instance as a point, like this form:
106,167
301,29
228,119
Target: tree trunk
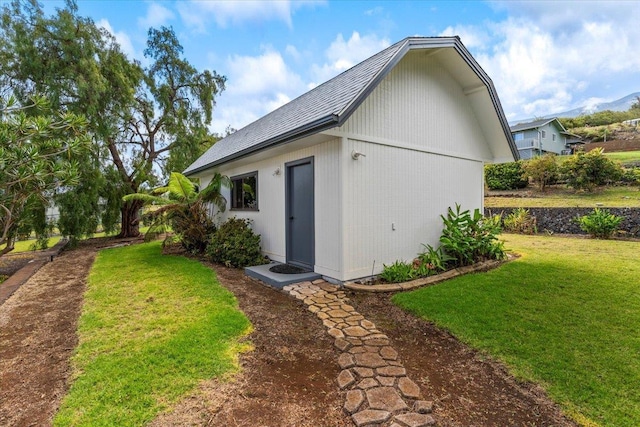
130,225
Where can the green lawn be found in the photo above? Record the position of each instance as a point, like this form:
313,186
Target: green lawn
565,315
624,156
151,328
612,197
25,245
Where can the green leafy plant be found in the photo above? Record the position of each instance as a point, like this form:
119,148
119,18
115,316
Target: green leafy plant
505,176
235,244
435,259
184,208
542,170
586,171
520,221
470,238
399,271
600,223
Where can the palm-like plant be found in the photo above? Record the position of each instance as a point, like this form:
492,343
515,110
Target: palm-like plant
182,206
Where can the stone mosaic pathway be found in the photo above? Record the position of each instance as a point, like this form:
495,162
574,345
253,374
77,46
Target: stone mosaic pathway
378,390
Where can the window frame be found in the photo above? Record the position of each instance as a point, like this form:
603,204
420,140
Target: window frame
234,179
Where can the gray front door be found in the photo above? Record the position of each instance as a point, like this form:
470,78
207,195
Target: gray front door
299,211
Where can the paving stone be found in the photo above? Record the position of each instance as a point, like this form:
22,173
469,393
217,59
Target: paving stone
327,287
356,331
394,363
347,307
415,420
346,361
423,406
336,333
319,282
342,344
371,360
337,313
371,348
299,296
390,371
376,336
354,341
370,417
394,424
386,399
363,372
331,297
314,308
329,323
358,350
367,324
388,353
378,342
354,400
322,316
345,379
294,293
386,381
357,317
307,291
353,323
367,383
287,288
408,388
322,300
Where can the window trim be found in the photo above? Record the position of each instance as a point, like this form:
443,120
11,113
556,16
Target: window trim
235,178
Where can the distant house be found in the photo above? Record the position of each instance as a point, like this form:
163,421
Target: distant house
355,173
543,136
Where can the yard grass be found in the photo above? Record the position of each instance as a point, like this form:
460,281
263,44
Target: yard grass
612,197
565,315
624,156
151,328
25,245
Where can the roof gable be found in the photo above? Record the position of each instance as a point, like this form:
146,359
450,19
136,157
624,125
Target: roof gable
331,103
538,124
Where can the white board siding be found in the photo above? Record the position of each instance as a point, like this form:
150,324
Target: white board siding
420,103
269,220
409,189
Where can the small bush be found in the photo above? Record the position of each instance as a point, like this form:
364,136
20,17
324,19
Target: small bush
505,176
434,259
193,225
520,221
471,238
586,171
399,271
542,170
235,244
630,176
600,223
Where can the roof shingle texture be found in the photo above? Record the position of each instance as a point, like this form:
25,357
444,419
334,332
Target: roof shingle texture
329,99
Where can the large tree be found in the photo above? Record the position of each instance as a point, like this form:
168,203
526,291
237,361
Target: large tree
137,116
171,112
36,157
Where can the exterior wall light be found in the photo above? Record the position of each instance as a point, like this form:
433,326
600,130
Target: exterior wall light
355,155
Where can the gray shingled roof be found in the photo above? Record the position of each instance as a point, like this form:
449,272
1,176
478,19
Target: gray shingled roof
534,125
326,106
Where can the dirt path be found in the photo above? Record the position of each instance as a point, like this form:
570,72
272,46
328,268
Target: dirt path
37,337
288,380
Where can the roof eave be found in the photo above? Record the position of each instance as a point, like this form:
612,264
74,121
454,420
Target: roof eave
311,128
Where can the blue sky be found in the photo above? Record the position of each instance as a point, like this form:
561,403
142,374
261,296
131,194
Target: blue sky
543,56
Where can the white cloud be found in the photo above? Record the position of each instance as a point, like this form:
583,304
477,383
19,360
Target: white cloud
197,14
547,60
256,85
121,37
343,54
156,16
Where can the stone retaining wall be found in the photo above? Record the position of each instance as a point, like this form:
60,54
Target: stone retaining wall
563,220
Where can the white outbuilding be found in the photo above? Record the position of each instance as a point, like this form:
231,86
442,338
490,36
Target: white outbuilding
356,172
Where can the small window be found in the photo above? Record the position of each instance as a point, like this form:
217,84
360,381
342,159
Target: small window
518,136
544,133
553,137
244,192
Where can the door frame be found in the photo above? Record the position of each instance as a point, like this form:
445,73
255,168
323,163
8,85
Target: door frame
287,202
